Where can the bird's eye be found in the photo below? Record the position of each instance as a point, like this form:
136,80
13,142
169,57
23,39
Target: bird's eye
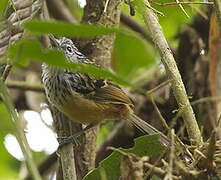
69,49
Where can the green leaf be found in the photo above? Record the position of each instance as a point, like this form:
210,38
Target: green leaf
26,50
3,4
132,54
9,166
140,6
104,131
147,146
66,29
6,124
173,16
3,112
110,167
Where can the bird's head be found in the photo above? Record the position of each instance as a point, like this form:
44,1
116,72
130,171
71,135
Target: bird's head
68,48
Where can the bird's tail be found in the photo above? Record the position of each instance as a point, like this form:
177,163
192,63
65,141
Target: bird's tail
147,128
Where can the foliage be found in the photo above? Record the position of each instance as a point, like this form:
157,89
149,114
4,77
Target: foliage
8,164
3,4
126,44
132,56
111,165
66,29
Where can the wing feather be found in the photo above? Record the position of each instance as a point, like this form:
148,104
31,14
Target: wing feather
111,93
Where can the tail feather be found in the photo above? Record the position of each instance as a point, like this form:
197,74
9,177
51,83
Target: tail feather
147,128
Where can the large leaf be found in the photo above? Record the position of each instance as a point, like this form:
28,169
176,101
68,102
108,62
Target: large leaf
26,50
9,166
66,29
132,53
6,124
110,167
173,17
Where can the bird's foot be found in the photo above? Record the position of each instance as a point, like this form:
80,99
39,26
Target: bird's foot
73,138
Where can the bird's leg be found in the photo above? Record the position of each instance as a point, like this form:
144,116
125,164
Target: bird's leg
73,138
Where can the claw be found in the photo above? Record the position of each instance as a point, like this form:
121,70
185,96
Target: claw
73,138
66,140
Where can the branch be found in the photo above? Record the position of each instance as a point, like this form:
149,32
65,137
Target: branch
173,74
6,72
64,128
22,85
217,4
106,13
60,11
67,156
100,48
128,21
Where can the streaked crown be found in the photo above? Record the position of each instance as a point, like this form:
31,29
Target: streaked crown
70,50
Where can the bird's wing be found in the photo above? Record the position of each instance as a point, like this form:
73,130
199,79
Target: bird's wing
100,90
109,93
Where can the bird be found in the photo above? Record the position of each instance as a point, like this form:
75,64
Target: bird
86,99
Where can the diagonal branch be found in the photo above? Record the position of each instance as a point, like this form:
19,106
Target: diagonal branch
173,74
217,4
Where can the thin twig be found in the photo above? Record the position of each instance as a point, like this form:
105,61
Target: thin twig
169,175
182,2
156,170
207,163
177,139
183,10
200,12
218,124
206,99
6,72
105,7
193,103
22,85
154,10
164,83
163,121
159,159
186,172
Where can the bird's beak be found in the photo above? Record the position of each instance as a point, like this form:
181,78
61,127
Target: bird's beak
54,41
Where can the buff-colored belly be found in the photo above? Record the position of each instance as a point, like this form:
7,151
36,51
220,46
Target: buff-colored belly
86,111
